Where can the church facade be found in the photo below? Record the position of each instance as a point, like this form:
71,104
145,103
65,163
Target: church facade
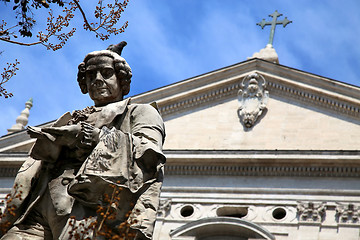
256,150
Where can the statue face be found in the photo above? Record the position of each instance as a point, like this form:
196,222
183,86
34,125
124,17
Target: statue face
101,81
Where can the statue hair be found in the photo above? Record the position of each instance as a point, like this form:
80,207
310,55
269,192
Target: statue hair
122,70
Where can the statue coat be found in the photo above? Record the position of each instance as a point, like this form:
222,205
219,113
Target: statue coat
128,155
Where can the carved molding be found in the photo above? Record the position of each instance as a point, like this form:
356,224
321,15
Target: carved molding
164,208
293,171
252,98
230,89
311,211
236,170
347,213
199,99
336,105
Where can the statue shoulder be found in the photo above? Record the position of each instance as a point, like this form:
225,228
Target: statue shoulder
144,109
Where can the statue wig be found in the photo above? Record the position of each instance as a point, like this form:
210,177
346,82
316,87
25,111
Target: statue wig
122,68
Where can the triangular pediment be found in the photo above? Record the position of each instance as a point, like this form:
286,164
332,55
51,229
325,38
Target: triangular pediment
303,112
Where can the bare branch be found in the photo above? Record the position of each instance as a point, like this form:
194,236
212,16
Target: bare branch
19,43
106,15
8,73
83,14
106,21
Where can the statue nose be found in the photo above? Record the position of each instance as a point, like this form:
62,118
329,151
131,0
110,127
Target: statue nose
99,80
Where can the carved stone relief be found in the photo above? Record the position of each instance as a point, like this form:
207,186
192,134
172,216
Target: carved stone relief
164,208
252,98
347,213
311,211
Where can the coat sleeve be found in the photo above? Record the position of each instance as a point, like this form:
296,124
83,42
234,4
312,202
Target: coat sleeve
148,135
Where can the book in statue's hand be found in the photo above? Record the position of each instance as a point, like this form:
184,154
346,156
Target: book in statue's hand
36,132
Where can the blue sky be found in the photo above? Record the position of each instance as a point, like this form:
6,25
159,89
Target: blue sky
169,41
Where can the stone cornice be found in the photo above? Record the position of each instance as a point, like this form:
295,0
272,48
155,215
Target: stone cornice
318,97
18,139
10,163
12,158
300,163
276,171
282,81
243,68
228,88
13,138
198,98
264,163
320,157
195,82
309,79
9,171
279,171
186,191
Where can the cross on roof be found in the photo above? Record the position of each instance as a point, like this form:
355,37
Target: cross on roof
273,24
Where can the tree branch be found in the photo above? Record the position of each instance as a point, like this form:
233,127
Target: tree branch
83,14
19,43
107,16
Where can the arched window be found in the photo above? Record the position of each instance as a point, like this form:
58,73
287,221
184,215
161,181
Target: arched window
221,228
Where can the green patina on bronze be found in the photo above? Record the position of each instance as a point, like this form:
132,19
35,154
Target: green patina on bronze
273,24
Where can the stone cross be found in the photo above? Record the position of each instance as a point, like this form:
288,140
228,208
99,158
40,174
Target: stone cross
273,24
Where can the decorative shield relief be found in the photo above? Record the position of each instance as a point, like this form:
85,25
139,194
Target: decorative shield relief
252,98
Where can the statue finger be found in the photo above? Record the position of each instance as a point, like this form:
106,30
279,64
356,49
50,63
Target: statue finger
87,125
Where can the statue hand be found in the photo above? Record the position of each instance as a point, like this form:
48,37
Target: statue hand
89,135
34,133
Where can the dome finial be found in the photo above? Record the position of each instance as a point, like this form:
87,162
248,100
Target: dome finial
23,118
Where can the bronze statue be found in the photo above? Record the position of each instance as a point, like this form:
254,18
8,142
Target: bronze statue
98,170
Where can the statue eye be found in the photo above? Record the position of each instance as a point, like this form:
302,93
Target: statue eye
90,74
107,72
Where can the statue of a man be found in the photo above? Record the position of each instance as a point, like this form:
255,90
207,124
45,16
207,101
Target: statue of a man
100,166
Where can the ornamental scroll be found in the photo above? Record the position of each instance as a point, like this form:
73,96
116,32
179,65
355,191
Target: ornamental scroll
252,98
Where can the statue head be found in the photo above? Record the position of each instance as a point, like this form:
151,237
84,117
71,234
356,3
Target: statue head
105,75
